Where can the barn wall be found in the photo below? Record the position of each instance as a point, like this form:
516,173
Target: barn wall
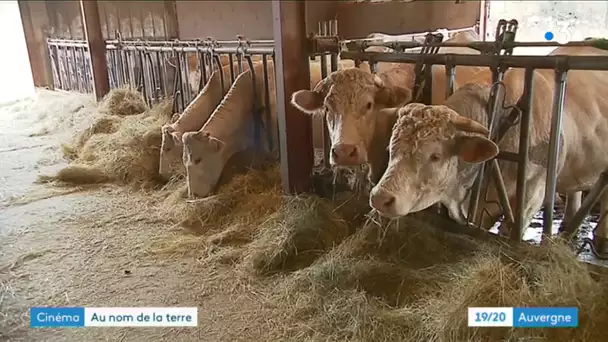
132,19
224,20
401,17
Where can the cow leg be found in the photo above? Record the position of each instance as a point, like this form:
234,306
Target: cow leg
573,204
600,237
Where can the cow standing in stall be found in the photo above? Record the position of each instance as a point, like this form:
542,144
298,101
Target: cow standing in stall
435,151
351,101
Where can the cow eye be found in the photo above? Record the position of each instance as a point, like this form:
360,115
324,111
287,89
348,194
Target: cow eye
197,161
369,105
435,157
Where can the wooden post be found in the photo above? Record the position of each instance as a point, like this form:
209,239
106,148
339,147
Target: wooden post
292,74
35,39
97,47
171,32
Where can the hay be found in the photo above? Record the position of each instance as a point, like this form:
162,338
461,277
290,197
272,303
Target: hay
243,201
122,150
358,293
528,276
123,101
297,234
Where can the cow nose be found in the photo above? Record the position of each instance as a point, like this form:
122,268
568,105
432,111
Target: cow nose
345,154
382,201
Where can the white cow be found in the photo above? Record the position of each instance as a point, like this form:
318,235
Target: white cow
350,100
435,150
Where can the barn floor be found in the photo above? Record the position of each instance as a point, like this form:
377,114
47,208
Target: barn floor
93,246
88,248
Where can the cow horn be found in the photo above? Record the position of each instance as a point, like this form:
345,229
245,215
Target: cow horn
467,125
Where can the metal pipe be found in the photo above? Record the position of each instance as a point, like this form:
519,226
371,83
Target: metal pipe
561,77
503,198
524,143
534,62
449,79
571,228
182,42
231,63
362,44
267,107
219,50
326,140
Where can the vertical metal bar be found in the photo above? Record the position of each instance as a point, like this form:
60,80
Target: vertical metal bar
449,80
524,143
162,91
231,68
561,76
292,74
203,79
187,93
217,60
267,101
56,62
97,47
326,139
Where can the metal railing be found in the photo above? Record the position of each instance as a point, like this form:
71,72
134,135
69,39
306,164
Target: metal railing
70,61
497,56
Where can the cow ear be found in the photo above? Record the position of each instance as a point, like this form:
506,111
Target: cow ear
475,149
212,144
308,101
392,97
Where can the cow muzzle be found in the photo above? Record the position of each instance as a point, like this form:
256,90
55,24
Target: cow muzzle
384,202
347,155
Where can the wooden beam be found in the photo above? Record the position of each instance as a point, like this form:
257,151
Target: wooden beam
35,40
292,74
97,47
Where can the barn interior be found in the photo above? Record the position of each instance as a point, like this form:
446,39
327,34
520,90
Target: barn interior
284,247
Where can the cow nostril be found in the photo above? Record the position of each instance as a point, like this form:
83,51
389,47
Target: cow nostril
389,201
334,153
353,153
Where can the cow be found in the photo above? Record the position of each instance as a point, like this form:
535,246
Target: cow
436,150
351,99
227,132
192,119
199,110
206,150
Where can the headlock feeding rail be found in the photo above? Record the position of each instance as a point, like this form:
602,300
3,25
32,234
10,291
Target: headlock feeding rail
498,56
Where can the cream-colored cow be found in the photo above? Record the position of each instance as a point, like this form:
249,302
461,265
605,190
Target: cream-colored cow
350,100
435,150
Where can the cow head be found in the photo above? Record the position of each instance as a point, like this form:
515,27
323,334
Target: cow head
170,150
426,147
203,158
349,99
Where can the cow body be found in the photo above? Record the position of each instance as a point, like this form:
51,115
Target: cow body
351,101
436,150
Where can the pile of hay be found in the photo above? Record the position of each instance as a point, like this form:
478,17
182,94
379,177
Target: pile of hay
122,146
416,285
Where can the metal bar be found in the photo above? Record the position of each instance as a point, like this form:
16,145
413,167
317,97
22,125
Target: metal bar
362,44
292,74
534,62
231,68
271,128
96,46
187,91
185,42
449,79
218,50
501,190
524,142
554,149
216,58
571,228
